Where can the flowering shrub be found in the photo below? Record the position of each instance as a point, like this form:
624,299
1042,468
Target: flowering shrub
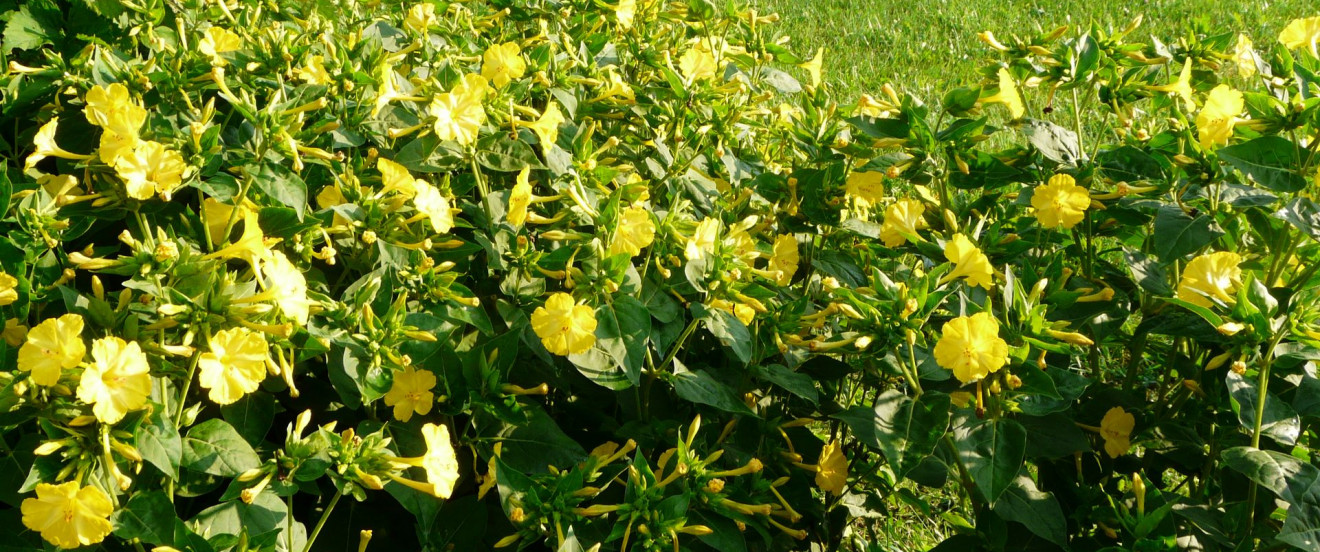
587,275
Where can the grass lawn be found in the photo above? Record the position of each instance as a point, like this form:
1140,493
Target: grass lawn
925,45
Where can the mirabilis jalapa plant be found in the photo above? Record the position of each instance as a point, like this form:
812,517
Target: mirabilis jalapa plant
587,275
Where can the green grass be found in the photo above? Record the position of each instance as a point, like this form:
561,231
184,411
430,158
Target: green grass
925,45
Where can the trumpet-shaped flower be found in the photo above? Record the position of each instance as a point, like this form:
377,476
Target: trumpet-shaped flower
45,146
459,114
1215,122
698,62
1116,429
520,198
118,380
287,284
1060,202
502,63
784,259
150,169
216,41
1213,275
564,326
968,262
546,128
867,186
114,109
636,231
1302,33
971,347
314,71
1245,56
1007,95
15,333
903,218
8,289
832,468
68,516
421,17
625,11
1181,87
395,178
702,242
251,246
814,65
235,365
51,347
435,205
411,393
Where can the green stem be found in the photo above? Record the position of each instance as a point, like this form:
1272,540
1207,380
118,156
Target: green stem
187,384
321,522
1261,394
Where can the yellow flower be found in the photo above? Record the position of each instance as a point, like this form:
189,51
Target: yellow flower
15,333
251,246
435,205
626,11
1214,124
68,516
832,468
440,463
314,72
814,65
395,178
698,63
546,128
1213,275
636,231
1060,202
1181,87
459,113
968,262
114,109
1007,95
971,347
421,17
115,145
1302,33
565,327
502,63
867,186
903,218
150,169
520,198
617,89
286,283
117,382
1244,55
45,146
784,260
8,289
235,365
217,218
52,346
218,40
1116,428
702,242
411,392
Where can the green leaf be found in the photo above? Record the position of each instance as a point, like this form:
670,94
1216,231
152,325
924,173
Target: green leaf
993,451
500,153
1129,164
531,445
251,416
1280,422
622,329
265,516
1040,512
148,516
35,24
1294,481
429,154
985,171
699,387
1178,234
903,429
282,185
1302,213
1054,436
796,383
214,447
465,521
1056,143
1272,161
726,327
159,444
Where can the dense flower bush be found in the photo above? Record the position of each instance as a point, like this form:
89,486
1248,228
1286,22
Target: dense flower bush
625,275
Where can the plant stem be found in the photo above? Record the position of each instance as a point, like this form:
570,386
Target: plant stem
321,522
187,384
